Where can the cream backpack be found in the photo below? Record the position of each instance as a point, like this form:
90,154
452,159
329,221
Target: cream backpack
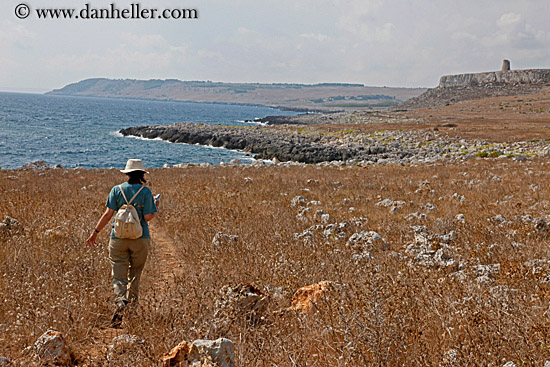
127,223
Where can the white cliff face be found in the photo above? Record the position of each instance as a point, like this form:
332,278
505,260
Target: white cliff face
534,76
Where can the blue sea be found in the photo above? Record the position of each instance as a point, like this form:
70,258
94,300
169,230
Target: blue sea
83,131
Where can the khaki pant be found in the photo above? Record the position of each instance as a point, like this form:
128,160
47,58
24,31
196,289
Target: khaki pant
127,259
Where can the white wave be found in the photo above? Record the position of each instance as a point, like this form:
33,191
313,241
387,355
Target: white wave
119,135
256,121
229,150
251,158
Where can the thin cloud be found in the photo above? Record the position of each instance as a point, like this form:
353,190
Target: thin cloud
308,41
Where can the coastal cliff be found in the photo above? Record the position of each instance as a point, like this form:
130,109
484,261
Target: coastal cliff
472,86
506,78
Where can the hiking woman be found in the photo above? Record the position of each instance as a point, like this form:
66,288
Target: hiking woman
128,256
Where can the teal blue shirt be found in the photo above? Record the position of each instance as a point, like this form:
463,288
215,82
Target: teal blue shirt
144,203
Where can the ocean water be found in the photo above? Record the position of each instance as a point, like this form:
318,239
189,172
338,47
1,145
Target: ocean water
83,131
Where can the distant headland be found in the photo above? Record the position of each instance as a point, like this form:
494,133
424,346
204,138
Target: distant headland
301,97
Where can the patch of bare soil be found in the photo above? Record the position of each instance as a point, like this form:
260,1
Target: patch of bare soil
169,264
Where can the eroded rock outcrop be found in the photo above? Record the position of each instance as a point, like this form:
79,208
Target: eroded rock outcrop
503,78
239,302
51,349
9,224
201,353
224,239
127,350
309,298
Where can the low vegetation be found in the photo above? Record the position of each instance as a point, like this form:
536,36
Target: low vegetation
300,96
483,301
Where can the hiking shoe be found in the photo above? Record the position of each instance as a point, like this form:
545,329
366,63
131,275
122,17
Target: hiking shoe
116,321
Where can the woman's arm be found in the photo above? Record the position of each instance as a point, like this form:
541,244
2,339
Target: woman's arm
149,217
105,218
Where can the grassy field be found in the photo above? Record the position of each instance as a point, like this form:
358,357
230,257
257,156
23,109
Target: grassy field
478,296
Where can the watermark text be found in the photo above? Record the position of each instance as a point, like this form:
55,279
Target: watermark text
87,11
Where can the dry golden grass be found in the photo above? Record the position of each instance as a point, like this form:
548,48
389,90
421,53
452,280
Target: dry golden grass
500,119
390,311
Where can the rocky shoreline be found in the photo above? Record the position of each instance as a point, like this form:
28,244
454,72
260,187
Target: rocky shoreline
340,118
350,147
263,143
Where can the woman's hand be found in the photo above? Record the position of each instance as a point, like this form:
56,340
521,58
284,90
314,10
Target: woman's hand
91,240
105,218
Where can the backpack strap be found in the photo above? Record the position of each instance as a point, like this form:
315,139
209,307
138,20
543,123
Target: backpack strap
133,197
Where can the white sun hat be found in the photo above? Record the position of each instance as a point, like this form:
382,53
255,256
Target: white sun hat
134,165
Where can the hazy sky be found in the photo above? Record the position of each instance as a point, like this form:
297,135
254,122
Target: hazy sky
394,43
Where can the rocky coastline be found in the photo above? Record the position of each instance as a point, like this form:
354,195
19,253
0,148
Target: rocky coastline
350,147
263,143
339,118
